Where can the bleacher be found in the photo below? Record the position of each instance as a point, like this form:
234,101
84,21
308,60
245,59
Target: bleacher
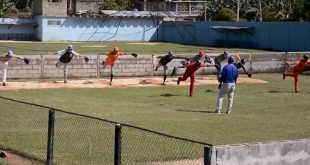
17,36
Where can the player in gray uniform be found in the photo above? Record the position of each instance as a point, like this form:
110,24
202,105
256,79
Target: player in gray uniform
164,60
5,58
218,60
66,56
201,56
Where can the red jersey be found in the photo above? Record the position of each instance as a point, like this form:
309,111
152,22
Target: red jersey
112,57
300,65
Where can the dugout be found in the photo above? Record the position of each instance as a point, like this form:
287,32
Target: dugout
234,36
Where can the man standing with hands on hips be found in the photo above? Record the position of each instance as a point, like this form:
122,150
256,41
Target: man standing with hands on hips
228,76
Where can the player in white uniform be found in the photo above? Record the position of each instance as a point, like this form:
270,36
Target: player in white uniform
66,56
4,59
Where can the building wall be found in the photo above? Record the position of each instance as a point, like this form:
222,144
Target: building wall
98,29
87,6
57,9
281,36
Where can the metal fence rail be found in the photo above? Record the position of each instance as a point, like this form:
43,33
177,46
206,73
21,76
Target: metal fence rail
55,136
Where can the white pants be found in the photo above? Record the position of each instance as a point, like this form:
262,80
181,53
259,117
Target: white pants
5,71
66,69
164,66
229,90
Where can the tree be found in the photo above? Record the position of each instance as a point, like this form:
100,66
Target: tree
4,6
115,5
225,14
301,10
274,10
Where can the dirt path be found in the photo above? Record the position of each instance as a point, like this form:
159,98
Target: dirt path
117,83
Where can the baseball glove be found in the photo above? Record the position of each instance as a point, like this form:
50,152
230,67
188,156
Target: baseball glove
249,75
134,54
26,60
86,59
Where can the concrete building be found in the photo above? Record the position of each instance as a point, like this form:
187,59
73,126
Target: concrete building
189,9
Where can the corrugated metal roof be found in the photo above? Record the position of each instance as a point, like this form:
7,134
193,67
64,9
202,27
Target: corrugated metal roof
140,14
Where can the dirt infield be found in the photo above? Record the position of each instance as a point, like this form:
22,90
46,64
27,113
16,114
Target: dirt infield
117,83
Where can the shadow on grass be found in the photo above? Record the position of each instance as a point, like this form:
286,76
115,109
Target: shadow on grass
209,90
168,95
182,110
276,91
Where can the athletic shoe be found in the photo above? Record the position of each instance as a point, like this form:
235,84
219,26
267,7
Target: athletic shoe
217,111
283,76
228,112
3,84
65,81
178,82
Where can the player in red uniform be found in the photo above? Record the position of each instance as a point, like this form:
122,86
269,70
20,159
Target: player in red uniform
190,71
298,68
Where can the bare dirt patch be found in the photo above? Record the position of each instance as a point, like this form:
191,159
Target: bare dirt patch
144,43
12,159
117,83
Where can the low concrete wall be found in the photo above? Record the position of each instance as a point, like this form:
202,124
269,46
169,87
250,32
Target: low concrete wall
290,152
44,66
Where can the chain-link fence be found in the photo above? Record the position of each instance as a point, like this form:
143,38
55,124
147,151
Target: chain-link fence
54,136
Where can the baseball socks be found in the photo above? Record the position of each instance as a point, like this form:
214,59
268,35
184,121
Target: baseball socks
111,78
165,77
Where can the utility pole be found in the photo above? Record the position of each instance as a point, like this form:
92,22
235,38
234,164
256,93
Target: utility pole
238,9
205,10
260,11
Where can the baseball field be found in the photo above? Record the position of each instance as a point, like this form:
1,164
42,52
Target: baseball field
265,106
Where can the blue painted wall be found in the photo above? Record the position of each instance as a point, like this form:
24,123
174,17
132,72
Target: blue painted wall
282,36
101,29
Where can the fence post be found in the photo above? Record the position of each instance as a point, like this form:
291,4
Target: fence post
209,155
118,145
98,66
251,63
50,137
42,66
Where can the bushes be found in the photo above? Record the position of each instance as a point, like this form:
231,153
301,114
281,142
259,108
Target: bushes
225,14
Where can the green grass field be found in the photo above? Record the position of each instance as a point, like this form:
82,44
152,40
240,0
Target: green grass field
261,112
42,48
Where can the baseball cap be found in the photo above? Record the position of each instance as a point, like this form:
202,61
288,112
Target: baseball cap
305,57
115,49
70,47
231,59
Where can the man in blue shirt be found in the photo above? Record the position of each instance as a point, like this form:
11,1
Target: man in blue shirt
229,76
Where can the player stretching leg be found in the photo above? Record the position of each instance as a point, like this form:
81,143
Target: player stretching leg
66,56
190,71
164,60
111,58
298,68
5,58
